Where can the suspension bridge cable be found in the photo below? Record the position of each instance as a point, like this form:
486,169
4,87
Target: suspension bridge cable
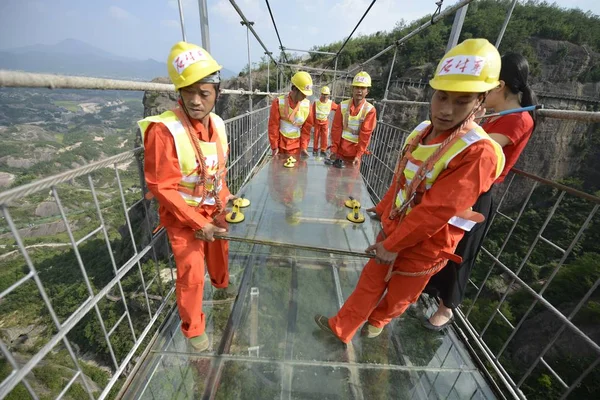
449,10
355,28
277,32
243,17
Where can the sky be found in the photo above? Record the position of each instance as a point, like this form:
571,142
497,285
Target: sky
145,29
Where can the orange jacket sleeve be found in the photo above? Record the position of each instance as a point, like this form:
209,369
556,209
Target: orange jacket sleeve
274,124
366,129
336,131
468,175
163,175
306,127
334,106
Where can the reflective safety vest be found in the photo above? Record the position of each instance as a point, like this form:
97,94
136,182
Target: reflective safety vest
291,121
464,220
352,124
323,109
214,156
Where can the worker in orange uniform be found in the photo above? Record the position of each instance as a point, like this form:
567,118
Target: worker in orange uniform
184,164
321,109
445,165
354,122
512,132
291,118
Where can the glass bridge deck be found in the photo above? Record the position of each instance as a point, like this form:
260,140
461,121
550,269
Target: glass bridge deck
265,344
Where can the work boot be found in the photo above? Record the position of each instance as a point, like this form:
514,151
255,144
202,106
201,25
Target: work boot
323,323
370,332
339,163
315,153
199,343
323,153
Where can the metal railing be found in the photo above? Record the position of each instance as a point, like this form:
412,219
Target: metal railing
121,271
524,252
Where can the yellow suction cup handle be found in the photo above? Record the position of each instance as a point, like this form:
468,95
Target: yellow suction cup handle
289,164
242,202
352,202
235,216
355,216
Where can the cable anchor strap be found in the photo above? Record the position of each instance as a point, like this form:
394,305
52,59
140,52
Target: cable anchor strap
437,11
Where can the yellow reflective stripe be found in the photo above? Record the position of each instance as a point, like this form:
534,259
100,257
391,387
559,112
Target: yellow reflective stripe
349,136
166,117
422,153
468,139
353,123
190,179
323,109
194,201
288,130
186,154
221,131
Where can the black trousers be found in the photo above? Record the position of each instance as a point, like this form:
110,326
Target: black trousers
450,284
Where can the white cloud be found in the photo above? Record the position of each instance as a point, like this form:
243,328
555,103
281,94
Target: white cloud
119,13
170,23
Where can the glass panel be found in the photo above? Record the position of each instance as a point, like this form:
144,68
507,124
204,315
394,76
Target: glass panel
271,346
174,377
242,380
316,383
305,205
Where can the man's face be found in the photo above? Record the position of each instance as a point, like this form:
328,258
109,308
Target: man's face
359,93
324,98
199,99
297,95
449,109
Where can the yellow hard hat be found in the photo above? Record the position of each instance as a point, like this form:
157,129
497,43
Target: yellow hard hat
473,66
362,79
188,64
303,82
325,90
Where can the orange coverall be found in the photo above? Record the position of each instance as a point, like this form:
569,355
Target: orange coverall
344,148
422,240
163,175
321,128
277,140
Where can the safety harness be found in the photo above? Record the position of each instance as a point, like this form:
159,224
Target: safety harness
417,188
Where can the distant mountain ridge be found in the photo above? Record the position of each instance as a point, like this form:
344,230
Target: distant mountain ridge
74,57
